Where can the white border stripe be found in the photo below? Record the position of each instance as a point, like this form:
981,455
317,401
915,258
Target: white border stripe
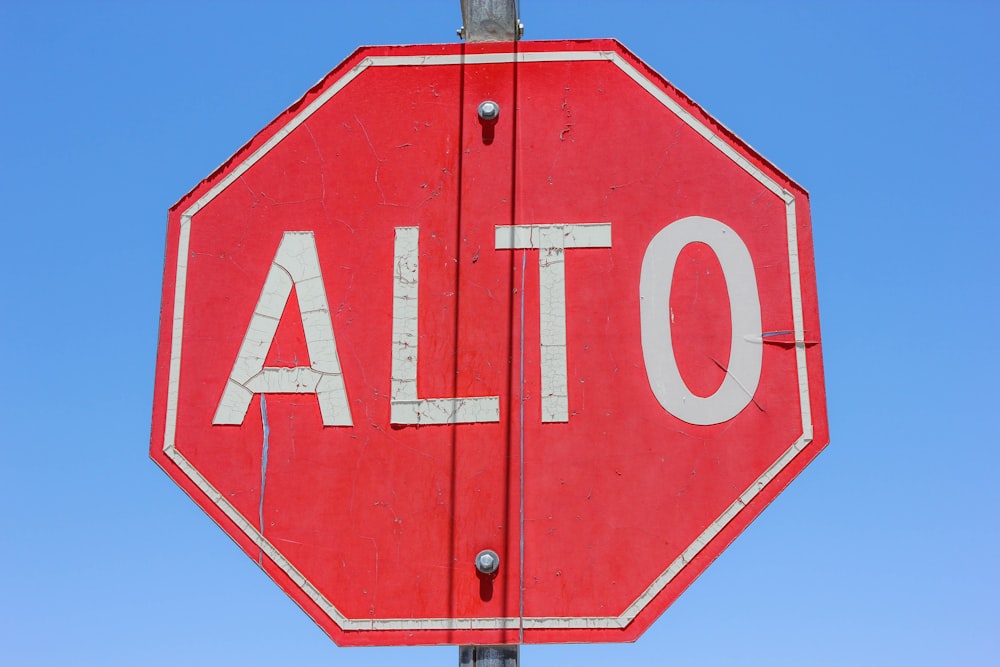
712,531
795,278
701,129
547,622
176,334
266,147
488,58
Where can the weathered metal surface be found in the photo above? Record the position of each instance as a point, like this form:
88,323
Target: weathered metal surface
488,656
490,21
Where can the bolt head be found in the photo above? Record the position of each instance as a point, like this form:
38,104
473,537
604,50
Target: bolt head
487,561
488,110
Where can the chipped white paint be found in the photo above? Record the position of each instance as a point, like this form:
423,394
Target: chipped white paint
745,358
405,406
710,134
296,264
552,241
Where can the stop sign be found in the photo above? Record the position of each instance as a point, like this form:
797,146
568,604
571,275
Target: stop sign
489,343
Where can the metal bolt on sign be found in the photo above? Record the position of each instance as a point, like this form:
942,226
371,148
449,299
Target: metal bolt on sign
488,110
487,562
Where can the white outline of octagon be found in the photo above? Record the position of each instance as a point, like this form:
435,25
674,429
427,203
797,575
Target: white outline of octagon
528,623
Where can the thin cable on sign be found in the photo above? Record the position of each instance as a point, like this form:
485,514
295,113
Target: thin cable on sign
521,379
263,473
520,617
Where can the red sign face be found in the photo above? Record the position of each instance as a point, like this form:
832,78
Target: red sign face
406,333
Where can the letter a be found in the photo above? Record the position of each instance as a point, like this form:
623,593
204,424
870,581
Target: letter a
296,264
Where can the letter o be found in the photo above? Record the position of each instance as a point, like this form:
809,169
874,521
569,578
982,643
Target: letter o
746,352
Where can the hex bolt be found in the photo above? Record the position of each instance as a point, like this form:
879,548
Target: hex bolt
488,111
487,561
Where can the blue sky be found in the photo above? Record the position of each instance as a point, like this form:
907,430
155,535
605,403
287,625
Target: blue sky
884,551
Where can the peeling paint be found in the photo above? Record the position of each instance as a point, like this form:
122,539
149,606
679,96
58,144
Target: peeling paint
552,241
405,406
296,264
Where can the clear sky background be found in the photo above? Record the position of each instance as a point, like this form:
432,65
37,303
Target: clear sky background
884,552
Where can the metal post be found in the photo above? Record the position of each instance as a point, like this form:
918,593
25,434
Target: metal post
489,656
489,21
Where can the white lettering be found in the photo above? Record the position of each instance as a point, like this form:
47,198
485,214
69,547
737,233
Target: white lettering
405,406
551,241
296,264
745,356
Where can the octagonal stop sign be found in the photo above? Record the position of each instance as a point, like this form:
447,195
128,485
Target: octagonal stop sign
522,299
